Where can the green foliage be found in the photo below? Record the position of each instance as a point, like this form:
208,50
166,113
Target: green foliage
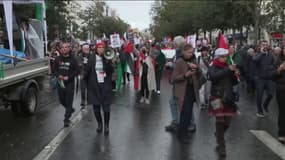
184,17
96,23
57,17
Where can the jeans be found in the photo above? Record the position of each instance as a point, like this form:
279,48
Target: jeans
173,109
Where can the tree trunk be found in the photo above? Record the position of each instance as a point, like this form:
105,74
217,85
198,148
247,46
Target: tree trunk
210,37
241,36
257,21
246,34
282,20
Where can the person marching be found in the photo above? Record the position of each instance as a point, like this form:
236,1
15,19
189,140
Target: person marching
279,77
264,61
83,60
186,77
222,104
65,70
204,92
160,61
99,81
146,80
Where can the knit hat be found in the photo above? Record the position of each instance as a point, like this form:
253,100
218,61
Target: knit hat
221,52
100,44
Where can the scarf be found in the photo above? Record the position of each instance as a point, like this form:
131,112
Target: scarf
217,63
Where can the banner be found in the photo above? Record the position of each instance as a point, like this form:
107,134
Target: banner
115,40
169,53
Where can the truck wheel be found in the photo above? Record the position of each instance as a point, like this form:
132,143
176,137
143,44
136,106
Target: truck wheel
30,101
16,108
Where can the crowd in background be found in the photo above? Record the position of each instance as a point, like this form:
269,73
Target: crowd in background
206,75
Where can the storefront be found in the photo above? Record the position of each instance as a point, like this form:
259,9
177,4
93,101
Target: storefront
277,39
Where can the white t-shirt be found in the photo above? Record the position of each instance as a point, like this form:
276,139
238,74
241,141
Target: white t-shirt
99,69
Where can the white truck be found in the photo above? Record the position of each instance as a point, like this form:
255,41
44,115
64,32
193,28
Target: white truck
21,78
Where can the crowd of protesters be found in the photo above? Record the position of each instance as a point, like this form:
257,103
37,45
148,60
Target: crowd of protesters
211,79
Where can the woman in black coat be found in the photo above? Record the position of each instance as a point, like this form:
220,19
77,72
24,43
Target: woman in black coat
279,76
222,105
99,81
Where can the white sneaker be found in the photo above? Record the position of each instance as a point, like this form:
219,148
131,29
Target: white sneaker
142,100
281,139
260,115
147,101
158,92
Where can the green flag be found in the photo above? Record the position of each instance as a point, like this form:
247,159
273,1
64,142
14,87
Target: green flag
39,12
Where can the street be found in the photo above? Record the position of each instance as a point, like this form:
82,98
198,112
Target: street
136,132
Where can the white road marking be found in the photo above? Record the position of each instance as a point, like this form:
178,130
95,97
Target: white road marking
270,142
49,149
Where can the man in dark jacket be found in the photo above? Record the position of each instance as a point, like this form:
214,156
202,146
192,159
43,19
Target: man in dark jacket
65,70
279,77
264,61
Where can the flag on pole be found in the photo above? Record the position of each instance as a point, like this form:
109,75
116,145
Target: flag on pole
222,42
230,61
39,12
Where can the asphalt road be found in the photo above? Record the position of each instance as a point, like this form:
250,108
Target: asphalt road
136,132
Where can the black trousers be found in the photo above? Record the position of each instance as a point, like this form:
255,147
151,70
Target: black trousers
83,87
158,84
106,108
144,87
125,74
280,97
66,99
187,109
250,84
262,86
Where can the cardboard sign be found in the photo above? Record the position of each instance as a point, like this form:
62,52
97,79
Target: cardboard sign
115,40
192,40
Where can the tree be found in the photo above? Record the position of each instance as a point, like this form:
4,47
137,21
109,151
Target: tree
57,18
96,23
185,17
276,15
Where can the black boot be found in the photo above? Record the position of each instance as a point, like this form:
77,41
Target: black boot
99,121
220,132
106,122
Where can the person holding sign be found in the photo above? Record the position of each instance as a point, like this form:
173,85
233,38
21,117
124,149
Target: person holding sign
99,81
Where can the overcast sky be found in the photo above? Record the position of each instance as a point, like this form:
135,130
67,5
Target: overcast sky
136,13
